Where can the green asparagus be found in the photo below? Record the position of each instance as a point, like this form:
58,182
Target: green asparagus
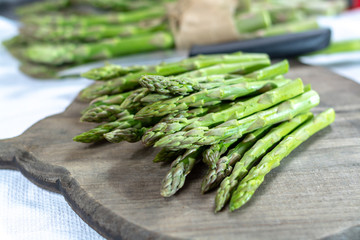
132,134
214,152
110,71
223,166
251,157
208,97
67,53
237,111
97,134
166,155
236,128
247,187
90,20
89,33
180,168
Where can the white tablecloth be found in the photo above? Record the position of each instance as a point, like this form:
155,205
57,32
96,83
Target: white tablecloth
29,212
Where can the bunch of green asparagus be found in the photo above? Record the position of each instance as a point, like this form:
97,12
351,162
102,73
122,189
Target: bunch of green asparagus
236,112
57,34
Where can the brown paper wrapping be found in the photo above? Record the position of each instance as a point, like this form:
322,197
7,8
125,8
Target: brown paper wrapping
201,22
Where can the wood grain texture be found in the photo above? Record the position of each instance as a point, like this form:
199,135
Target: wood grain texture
313,194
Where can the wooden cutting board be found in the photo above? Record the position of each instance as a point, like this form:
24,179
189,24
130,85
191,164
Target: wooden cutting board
314,193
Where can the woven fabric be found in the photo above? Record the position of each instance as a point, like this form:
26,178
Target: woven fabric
27,211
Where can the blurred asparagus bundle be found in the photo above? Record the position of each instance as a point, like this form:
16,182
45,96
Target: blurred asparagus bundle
237,112
57,34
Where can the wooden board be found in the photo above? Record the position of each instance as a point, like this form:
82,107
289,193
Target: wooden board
314,193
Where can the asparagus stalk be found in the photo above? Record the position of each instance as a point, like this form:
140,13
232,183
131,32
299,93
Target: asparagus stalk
125,5
247,187
180,168
132,134
110,71
238,68
133,102
42,7
341,46
184,86
100,19
169,85
252,105
249,22
108,100
166,155
283,28
68,53
111,112
153,97
130,81
223,166
253,155
236,128
201,61
270,71
214,152
171,125
237,111
97,134
207,97
104,113
89,33
113,86
178,85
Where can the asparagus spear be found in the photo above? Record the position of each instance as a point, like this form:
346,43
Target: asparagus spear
153,97
214,152
283,28
89,33
108,100
247,187
100,19
166,155
201,61
56,54
236,128
178,85
171,125
97,134
223,166
239,68
184,86
113,86
207,97
169,85
125,5
251,21
251,157
111,112
110,71
237,111
341,46
180,168
43,6
130,81
252,105
270,71
132,134
104,113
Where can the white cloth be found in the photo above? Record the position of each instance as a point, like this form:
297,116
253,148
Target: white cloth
29,212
